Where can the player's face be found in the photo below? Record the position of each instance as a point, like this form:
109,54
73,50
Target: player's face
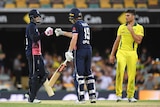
38,19
129,17
71,20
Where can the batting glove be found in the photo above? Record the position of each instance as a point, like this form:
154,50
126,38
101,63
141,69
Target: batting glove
58,32
69,56
49,31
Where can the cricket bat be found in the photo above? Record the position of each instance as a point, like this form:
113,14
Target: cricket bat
48,88
57,74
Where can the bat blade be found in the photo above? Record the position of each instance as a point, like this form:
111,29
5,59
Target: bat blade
48,88
57,74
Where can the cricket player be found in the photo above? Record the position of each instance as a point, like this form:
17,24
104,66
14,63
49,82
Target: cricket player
81,49
37,71
129,35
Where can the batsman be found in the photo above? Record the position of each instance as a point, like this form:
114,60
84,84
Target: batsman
81,49
37,71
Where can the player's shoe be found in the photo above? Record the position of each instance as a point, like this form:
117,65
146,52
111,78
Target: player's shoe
34,101
80,102
26,95
93,101
132,99
119,99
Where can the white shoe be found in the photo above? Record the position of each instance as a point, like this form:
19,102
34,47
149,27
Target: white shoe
80,102
132,99
34,101
92,100
26,95
119,98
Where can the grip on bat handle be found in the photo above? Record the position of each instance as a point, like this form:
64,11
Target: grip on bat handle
62,66
65,62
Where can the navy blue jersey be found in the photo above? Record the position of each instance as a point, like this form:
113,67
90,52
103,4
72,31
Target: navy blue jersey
83,30
33,43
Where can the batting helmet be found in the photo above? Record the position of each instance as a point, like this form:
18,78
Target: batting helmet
34,13
75,13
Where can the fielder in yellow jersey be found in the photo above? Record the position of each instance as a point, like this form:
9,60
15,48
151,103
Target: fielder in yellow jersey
129,35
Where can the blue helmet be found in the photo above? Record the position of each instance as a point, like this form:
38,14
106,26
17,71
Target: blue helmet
75,13
34,13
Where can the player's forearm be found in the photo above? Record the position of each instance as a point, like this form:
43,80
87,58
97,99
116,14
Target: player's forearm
115,45
72,44
68,34
114,49
137,38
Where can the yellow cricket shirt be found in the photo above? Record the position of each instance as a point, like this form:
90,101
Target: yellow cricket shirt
127,42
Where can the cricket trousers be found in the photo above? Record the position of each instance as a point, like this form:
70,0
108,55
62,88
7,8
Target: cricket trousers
83,75
37,74
126,59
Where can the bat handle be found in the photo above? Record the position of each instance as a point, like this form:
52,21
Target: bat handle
65,62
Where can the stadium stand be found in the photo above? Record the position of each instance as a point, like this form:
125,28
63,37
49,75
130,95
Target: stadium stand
153,4
33,4
68,3
117,4
105,4
143,4
57,3
9,4
81,4
57,6
45,3
93,3
21,3
129,4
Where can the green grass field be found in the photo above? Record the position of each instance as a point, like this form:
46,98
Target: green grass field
58,103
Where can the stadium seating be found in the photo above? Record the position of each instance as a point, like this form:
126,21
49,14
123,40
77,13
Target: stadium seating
105,4
10,5
34,5
68,3
58,6
153,4
117,4
80,4
139,5
46,6
45,3
129,4
93,3
21,3
57,3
